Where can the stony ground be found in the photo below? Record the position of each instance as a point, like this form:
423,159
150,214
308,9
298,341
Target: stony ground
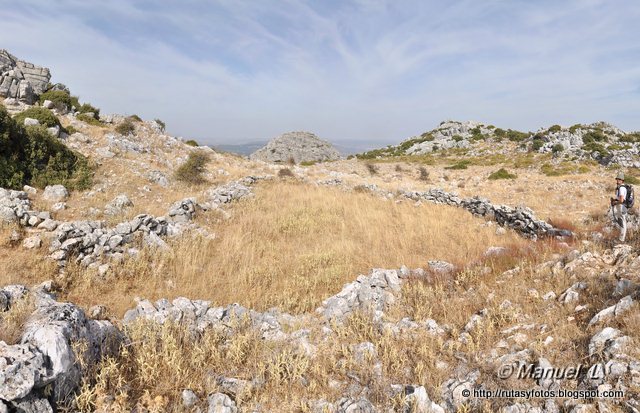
461,296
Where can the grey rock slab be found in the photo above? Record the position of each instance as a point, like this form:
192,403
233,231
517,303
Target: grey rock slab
22,367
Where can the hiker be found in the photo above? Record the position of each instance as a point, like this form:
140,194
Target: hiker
619,206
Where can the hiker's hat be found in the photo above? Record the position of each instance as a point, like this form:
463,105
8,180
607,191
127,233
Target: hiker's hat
620,176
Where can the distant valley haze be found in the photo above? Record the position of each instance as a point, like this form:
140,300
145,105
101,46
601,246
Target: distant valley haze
359,74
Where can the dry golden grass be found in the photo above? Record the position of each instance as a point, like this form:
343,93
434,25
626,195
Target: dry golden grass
292,246
13,320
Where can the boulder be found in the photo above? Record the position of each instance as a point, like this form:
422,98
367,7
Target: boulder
221,403
55,193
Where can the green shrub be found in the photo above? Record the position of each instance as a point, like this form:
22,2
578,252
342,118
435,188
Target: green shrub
516,136
61,99
558,147
43,115
309,163
502,174
162,125
71,130
501,133
594,136
574,128
632,180
191,142
88,108
595,147
457,138
537,144
135,118
554,128
193,168
125,127
31,156
459,165
89,119
631,137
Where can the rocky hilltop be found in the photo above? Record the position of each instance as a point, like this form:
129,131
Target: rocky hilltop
600,141
21,80
296,146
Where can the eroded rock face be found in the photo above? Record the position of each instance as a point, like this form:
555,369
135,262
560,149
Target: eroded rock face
21,80
297,146
55,336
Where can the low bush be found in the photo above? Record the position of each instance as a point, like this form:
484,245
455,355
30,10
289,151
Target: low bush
30,156
554,128
558,147
135,118
459,165
61,99
423,174
502,174
88,108
89,119
125,127
372,168
192,170
309,163
536,144
43,115
285,173
516,136
192,142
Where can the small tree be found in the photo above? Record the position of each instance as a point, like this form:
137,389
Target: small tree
194,167
162,125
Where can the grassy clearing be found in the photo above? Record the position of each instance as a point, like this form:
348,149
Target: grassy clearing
164,360
292,246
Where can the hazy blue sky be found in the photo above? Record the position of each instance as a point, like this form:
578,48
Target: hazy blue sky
232,71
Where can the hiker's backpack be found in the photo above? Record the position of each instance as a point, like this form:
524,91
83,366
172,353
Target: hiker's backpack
630,198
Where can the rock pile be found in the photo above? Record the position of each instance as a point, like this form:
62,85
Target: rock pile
449,134
199,315
372,293
44,366
297,147
90,241
520,219
21,80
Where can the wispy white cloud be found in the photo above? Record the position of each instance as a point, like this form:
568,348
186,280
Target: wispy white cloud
225,70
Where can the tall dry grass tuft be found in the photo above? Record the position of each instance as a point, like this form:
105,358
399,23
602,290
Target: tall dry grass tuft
291,246
13,320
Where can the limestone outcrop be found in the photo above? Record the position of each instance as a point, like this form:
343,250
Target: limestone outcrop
297,147
21,80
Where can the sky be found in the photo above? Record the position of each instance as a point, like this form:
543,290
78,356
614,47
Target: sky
234,71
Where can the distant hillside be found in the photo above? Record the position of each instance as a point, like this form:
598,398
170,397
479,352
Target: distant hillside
345,147
599,141
245,149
